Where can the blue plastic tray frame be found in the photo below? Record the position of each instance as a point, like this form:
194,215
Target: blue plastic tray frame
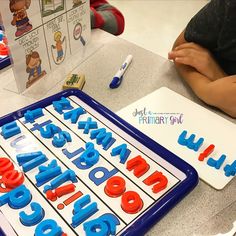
159,209
5,61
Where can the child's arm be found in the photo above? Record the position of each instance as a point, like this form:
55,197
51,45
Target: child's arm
106,17
222,94
218,91
196,56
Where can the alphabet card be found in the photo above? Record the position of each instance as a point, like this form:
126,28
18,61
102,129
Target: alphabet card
43,35
200,137
70,166
57,39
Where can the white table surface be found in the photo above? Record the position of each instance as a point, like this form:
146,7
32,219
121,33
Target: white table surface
200,211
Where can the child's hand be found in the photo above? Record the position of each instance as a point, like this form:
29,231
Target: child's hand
221,93
199,58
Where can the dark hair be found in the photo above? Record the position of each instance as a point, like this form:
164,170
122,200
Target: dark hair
33,54
12,3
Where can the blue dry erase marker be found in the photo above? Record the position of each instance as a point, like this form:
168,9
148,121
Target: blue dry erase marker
117,79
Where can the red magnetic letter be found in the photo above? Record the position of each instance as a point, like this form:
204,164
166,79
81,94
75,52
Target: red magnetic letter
5,165
13,178
139,165
131,202
154,178
115,186
206,152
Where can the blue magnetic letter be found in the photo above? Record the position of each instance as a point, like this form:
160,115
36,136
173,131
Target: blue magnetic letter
82,213
10,129
87,125
35,217
16,198
105,224
49,131
106,175
31,160
30,116
121,150
63,104
102,137
90,156
96,228
37,126
72,154
48,228
47,173
66,176
61,139
74,114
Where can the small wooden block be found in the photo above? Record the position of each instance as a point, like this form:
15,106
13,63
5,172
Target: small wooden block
74,81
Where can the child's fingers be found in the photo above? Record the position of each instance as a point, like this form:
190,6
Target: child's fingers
179,57
187,60
186,56
189,46
182,53
183,60
170,56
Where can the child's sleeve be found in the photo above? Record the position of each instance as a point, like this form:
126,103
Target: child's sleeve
106,17
205,26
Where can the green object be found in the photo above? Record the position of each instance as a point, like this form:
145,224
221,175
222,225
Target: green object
49,7
74,79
